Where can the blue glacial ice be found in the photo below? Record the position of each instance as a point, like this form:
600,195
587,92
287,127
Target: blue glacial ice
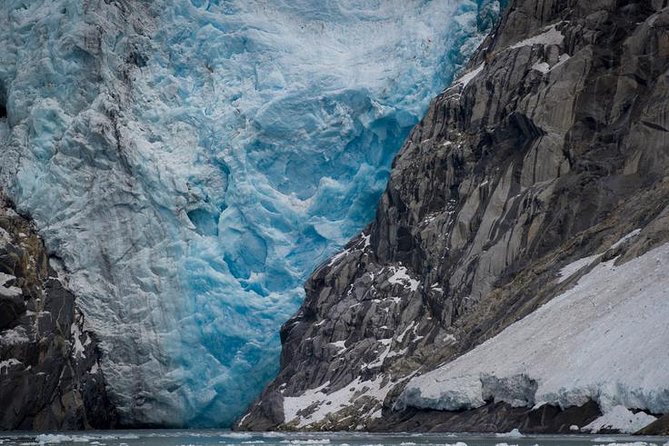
191,162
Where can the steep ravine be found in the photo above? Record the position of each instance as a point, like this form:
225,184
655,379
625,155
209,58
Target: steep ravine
551,147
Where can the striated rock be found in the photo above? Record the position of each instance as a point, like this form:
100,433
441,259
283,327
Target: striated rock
659,427
50,375
549,148
493,417
192,161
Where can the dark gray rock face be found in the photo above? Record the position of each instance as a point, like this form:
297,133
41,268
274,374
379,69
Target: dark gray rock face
659,427
550,148
492,418
50,375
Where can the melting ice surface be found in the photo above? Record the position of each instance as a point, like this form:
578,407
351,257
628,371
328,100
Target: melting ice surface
191,162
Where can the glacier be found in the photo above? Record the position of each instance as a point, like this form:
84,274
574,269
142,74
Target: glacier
189,163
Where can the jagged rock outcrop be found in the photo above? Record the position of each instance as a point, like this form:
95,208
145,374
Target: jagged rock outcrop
550,148
50,375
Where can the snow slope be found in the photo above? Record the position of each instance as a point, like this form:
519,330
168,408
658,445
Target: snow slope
603,340
192,161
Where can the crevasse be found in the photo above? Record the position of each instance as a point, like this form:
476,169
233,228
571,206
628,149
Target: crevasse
191,162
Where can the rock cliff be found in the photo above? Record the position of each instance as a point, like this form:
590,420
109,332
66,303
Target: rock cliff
50,376
551,147
192,161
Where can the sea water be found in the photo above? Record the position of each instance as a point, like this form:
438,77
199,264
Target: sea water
228,438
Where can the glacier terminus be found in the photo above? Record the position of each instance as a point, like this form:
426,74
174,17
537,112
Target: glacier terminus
190,163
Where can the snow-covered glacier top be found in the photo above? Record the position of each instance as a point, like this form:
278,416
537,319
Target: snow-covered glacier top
191,162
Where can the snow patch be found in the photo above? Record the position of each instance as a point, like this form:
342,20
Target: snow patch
543,67
622,420
340,345
567,271
340,255
8,291
329,403
613,320
551,36
449,338
78,348
8,364
401,277
625,238
563,58
14,336
466,78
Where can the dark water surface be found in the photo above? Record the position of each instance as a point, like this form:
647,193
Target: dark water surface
227,438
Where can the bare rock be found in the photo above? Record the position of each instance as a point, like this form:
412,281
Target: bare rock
50,375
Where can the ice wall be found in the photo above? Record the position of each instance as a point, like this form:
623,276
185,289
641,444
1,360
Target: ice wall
192,161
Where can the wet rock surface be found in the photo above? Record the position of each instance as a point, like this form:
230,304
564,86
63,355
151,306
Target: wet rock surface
550,148
50,375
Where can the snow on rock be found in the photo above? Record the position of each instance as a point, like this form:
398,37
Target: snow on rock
401,276
602,340
191,162
339,345
625,238
545,67
78,347
317,404
551,36
14,336
542,67
7,364
8,291
466,78
569,270
622,420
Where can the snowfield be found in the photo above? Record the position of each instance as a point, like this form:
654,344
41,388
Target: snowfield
604,340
